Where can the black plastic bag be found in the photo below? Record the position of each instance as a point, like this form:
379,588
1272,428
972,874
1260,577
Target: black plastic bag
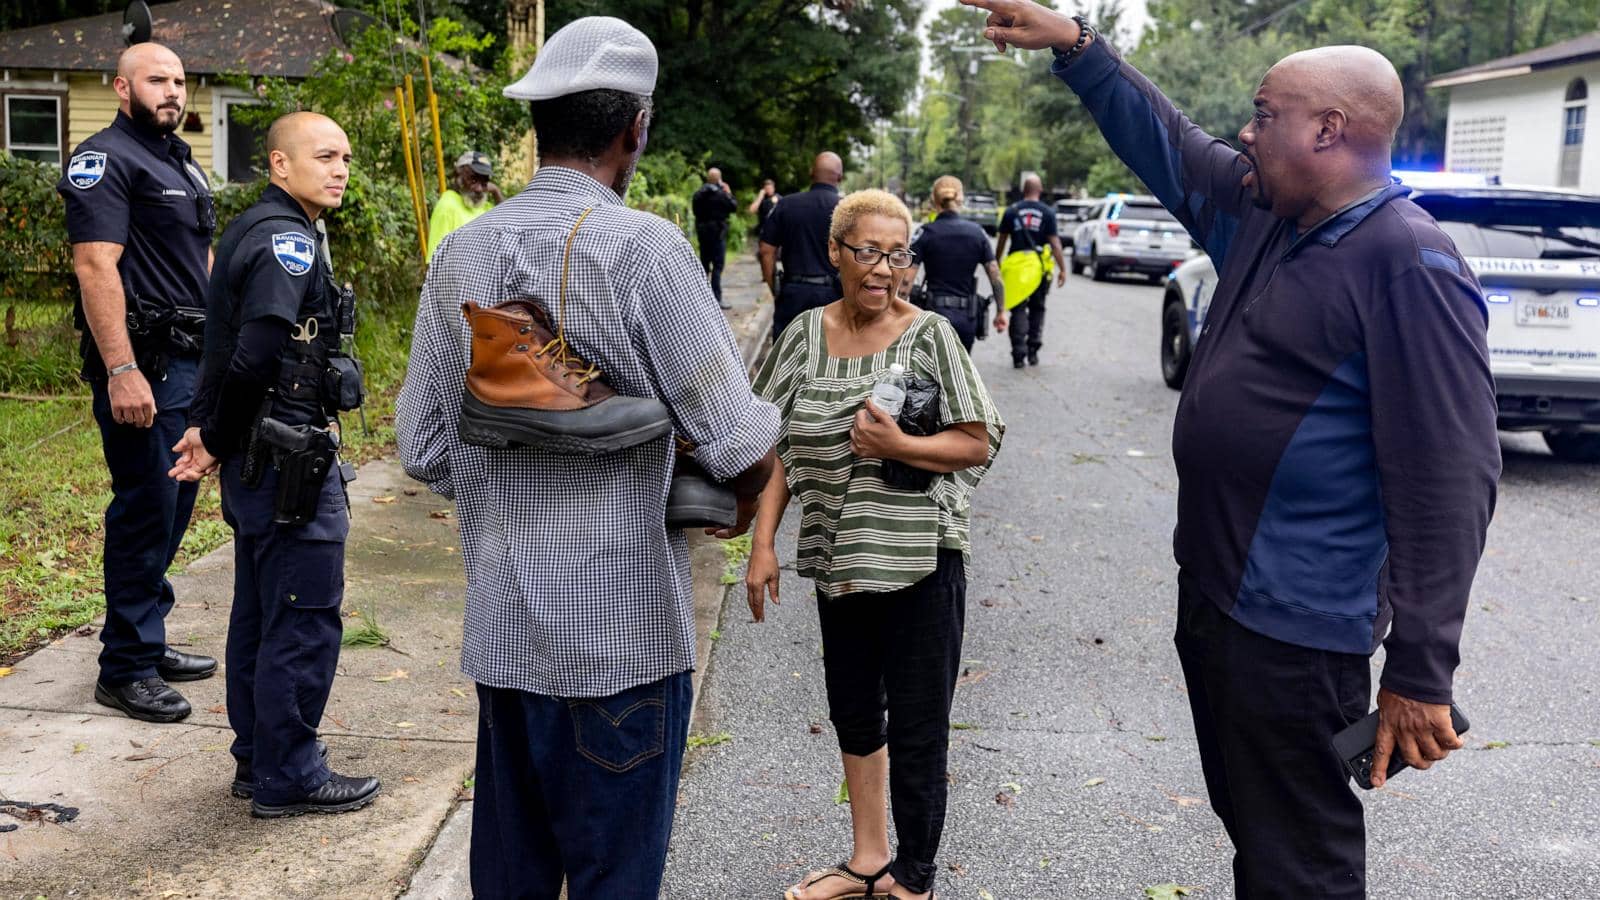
918,416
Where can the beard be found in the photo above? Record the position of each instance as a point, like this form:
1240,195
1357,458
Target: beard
625,178
150,117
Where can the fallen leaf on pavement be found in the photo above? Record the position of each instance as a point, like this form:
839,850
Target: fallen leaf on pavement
410,780
383,499
984,895
1094,781
439,514
405,724
843,796
1005,799
219,709
459,692
396,674
1168,891
958,870
1015,788
79,748
4,671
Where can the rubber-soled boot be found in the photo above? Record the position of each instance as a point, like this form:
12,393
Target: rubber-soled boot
696,501
526,388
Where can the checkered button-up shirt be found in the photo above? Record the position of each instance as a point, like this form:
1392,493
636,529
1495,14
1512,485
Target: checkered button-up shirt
575,587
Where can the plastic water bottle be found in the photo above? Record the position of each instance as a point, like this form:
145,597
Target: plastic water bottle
889,394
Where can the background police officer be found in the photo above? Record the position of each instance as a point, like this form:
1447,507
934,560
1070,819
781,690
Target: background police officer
1031,224
799,228
712,205
266,409
140,219
951,249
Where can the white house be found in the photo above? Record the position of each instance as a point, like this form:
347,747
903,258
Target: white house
1525,117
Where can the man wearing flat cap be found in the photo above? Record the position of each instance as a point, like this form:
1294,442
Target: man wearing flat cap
579,617
472,196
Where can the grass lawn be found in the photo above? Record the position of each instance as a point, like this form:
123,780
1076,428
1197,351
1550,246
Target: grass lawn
54,489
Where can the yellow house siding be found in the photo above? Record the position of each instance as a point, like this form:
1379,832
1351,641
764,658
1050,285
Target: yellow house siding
92,105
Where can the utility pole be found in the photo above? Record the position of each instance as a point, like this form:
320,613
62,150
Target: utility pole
525,31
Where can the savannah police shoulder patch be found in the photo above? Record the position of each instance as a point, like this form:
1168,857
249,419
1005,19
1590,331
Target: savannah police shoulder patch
295,252
86,169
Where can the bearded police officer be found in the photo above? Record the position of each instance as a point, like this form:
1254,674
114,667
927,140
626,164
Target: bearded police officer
140,219
798,228
274,378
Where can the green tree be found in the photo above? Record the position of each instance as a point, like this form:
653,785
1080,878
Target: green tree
758,87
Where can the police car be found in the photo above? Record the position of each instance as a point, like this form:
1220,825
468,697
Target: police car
1536,251
982,209
1129,233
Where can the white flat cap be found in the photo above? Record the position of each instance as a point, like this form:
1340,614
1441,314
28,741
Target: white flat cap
590,54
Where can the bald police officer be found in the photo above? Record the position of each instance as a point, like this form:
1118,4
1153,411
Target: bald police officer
274,379
140,218
798,227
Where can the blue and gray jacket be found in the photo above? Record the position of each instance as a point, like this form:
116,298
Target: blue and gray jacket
1335,439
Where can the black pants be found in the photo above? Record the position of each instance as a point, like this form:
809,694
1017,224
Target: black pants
794,299
898,653
145,522
1264,713
962,321
1027,322
714,255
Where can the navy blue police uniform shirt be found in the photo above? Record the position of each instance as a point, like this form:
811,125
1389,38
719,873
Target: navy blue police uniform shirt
140,188
1335,440
711,206
950,249
799,225
1031,225
268,287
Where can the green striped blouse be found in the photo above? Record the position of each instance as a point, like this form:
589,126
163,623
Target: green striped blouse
857,533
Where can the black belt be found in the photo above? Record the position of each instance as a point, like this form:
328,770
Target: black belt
823,280
950,301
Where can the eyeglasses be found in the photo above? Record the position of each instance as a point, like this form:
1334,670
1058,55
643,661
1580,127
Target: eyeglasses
869,256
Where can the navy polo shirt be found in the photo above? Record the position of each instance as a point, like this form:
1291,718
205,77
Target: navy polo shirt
950,249
799,225
1031,225
141,189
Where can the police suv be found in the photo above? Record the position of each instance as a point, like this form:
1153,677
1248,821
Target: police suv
1536,251
1129,233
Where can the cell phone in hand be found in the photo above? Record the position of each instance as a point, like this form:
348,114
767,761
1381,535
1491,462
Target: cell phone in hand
1357,745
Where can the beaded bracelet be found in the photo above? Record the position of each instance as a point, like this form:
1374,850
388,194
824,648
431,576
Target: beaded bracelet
1084,33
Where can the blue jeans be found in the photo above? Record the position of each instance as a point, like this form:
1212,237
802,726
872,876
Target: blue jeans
577,788
145,522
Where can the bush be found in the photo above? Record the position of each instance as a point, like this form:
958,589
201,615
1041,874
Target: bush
38,349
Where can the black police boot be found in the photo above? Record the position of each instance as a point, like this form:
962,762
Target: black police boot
340,793
696,501
176,666
244,781
148,699
1017,362
1033,357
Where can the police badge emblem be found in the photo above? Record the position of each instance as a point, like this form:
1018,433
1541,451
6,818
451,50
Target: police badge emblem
295,252
86,169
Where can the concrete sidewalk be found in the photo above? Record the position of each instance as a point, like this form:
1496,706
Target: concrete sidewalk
105,806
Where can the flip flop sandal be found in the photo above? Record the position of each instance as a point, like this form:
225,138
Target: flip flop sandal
843,870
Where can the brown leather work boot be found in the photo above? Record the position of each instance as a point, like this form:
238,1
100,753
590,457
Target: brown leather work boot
696,500
525,387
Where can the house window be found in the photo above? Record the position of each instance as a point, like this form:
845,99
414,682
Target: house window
33,127
239,147
1573,117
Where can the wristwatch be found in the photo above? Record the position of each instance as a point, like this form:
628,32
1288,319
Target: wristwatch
118,370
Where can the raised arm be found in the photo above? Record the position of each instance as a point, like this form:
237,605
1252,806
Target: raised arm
1195,176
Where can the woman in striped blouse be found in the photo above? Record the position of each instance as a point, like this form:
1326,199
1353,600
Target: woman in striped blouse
889,564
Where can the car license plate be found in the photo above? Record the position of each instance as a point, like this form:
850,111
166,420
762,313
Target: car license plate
1544,313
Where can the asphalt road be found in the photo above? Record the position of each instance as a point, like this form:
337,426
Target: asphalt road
1073,765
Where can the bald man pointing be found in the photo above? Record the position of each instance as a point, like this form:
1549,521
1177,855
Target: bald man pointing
274,380
1335,441
140,219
